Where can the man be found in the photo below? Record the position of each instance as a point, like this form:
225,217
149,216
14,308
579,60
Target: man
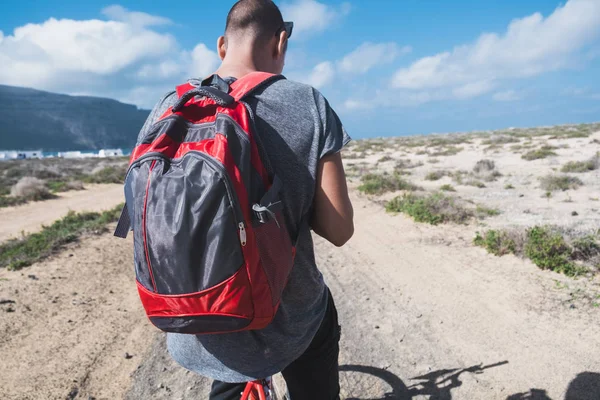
302,137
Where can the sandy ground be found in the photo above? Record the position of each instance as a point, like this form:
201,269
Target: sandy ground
30,217
524,204
425,314
68,322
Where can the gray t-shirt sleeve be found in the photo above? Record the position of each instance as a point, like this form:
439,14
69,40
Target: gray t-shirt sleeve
333,136
159,109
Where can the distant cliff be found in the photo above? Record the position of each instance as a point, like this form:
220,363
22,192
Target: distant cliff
33,119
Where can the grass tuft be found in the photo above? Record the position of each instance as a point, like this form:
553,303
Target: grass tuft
435,175
582,166
433,209
552,183
20,253
543,152
379,184
110,174
447,151
447,188
483,211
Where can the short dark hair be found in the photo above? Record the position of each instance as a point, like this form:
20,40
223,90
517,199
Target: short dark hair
259,18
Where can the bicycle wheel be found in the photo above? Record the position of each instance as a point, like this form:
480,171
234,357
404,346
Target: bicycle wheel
359,382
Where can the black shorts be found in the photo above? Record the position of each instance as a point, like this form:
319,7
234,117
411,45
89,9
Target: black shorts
314,375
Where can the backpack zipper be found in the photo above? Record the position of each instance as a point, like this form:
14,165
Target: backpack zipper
144,228
233,197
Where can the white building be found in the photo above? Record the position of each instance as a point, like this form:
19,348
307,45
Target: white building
110,153
20,155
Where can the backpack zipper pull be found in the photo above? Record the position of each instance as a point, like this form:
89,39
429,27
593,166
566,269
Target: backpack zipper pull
242,233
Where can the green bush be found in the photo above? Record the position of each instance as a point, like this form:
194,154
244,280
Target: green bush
546,247
447,188
16,254
434,209
545,151
57,186
379,184
549,250
498,243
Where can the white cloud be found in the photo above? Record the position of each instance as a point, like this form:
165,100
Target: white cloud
114,58
473,89
507,95
204,61
311,16
120,13
321,75
386,99
369,55
530,46
359,61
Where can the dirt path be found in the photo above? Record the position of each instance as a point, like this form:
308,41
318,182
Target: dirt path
414,301
73,320
30,217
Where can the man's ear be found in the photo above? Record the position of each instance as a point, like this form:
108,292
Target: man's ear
222,47
282,42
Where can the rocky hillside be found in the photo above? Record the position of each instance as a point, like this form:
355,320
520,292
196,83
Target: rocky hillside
33,119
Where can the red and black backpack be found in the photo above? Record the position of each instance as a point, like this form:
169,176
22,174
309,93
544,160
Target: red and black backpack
211,249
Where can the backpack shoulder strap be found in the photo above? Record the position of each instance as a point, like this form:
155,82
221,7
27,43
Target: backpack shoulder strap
250,83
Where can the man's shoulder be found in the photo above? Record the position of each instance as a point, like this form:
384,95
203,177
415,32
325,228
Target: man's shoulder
290,90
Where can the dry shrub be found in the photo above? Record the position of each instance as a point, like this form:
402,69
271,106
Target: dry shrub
31,188
436,175
379,184
406,164
553,183
500,139
583,166
484,166
74,185
486,170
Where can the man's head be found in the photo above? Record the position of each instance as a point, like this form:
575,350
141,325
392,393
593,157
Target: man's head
255,34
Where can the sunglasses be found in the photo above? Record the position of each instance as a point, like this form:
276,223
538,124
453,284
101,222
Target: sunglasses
288,27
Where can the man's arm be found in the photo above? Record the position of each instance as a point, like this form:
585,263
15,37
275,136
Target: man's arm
333,215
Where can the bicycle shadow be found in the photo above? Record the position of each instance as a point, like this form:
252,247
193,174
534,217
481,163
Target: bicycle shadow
436,384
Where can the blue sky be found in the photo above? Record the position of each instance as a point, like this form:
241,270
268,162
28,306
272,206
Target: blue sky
388,67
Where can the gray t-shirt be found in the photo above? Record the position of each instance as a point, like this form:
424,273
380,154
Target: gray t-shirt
297,127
